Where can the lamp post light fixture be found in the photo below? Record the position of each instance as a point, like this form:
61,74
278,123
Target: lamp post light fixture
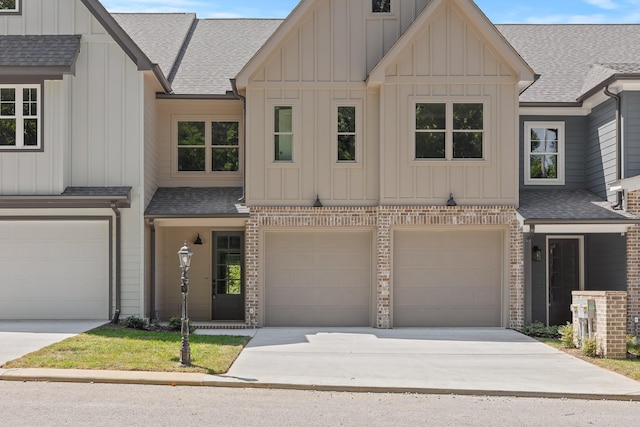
184,254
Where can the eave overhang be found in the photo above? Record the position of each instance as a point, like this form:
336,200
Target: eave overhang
117,199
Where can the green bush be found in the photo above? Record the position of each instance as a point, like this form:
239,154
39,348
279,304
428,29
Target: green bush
590,347
537,329
566,335
175,324
633,345
134,322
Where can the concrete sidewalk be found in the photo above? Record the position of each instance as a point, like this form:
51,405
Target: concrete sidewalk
494,362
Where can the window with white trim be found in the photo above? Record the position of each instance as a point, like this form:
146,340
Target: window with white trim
283,134
20,117
544,153
381,6
10,6
208,146
347,133
449,130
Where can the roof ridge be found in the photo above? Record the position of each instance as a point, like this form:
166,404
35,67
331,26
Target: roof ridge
183,50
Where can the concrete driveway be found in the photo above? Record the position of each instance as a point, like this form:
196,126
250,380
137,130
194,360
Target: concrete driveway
456,360
20,337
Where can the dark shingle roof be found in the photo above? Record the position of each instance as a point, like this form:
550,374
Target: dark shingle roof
160,35
217,51
97,191
54,52
565,55
567,205
196,202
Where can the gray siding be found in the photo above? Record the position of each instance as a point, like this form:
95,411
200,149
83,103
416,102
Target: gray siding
575,143
605,262
601,150
631,133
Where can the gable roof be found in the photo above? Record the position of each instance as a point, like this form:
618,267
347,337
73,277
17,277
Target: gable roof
524,72
160,35
574,60
48,55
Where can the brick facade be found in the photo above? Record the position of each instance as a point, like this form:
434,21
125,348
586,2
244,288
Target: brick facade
609,325
633,263
383,219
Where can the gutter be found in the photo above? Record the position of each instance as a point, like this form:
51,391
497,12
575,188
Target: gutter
118,250
243,198
616,97
534,222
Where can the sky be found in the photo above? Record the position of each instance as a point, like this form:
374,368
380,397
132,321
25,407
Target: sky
498,11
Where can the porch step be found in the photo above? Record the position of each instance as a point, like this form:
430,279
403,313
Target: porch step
221,325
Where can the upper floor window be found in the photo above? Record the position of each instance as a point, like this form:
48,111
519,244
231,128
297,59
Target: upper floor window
449,130
208,146
9,6
347,136
544,151
283,134
381,6
20,117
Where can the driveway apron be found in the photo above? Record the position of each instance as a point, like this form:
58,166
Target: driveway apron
21,337
440,359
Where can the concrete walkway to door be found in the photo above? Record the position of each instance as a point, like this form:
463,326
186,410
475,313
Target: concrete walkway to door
444,360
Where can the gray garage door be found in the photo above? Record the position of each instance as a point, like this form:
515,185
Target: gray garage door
318,278
451,278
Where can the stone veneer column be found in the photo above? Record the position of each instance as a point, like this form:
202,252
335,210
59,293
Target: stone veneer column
633,263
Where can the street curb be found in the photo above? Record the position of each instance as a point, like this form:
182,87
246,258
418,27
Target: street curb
203,380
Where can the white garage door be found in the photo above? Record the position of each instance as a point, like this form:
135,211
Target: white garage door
451,278
54,270
318,278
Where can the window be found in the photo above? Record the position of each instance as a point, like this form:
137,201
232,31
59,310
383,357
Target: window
449,130
9,6
347,134
544,151
283,134
208,146
20,117
381,6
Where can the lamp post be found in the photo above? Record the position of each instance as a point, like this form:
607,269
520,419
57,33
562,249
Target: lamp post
184,254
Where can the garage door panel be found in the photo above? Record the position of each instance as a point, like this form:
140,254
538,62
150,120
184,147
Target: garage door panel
451,278
54,269
329,285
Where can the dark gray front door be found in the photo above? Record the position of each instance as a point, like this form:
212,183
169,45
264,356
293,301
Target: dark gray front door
564,277
228,275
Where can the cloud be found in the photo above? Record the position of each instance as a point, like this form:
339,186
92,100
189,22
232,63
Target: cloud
603,4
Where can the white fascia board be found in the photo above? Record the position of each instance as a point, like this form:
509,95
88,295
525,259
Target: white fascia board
628,184
581,228
555,111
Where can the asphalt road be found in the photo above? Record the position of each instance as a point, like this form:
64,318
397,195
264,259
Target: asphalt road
65,404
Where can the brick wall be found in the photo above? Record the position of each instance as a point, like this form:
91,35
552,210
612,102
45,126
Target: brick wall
633,263
609,325
384,219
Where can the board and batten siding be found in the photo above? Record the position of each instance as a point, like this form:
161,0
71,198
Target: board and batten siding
94,123
601,150
449,61
631,133
575,149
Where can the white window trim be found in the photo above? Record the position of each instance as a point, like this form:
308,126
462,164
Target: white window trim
359,132
16,10
19,116
560,180
271,131
208,145
449,129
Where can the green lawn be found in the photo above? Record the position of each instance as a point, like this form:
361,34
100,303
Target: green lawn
116,348
626,367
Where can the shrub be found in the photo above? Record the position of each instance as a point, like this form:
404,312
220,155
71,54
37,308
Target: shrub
566,335
134,322
537,329
590,347
175,324
633,345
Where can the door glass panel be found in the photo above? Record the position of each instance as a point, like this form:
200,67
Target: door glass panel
235,242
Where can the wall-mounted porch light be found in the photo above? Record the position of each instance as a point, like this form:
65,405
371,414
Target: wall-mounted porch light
198,240
536,254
